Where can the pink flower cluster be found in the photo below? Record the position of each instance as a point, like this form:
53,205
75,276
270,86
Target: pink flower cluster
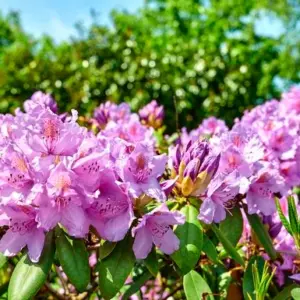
54,171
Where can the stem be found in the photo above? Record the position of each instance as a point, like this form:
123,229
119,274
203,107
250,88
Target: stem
54,292
93,247
63,282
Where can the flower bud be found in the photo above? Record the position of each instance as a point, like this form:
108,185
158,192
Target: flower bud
152,114
101,114
194,167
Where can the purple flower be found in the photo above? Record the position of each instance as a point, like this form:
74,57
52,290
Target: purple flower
155,228
51,136
110,211
88,169
194,167
264,184
102,113
130,130
291,100
152,114
109,111
212,126
23,231
16,173
39,102
221,194
141,170
63,202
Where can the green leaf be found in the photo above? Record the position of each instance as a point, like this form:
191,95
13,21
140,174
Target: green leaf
3,260
115,269
262,234
136,285
195,287
296,293
232,226
227,245
282,217
29,277
248,284
191,239
106,248
151,262
293,215
210,249
74,259
286,292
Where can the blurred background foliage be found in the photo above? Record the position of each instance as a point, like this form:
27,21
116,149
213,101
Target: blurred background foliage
196,57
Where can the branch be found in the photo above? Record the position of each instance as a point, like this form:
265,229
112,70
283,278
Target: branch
54,292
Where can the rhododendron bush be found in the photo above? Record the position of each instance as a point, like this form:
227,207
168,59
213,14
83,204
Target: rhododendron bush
111,207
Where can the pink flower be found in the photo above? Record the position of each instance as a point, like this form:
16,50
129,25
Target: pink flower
63,202
141,170
155,228
264,184
110,210
23,231
50,136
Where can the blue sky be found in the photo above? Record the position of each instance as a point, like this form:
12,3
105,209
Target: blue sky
57,17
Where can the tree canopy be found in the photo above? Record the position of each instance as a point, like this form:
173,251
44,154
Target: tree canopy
202,57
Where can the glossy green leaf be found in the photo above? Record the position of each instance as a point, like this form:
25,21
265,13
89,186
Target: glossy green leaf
262,234
293,215
74,259
115,269
137,284
195,287
232,226
106,248
190,235
248,284
210,249
151,262
29,277
3,260
295,293
230,249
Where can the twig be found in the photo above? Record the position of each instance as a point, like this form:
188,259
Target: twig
176,115
173,292
93,247
54,292
63,282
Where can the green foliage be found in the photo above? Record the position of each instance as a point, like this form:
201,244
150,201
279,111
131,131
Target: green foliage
262,234
74,259
285,294
106,248
151,262
191,238
115,268
3,260
295,293
248,282
210,249
293,224
195,287
228,246
29,277
207,58
232,226
136,285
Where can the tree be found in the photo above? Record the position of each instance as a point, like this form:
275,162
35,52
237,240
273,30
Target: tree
206,57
